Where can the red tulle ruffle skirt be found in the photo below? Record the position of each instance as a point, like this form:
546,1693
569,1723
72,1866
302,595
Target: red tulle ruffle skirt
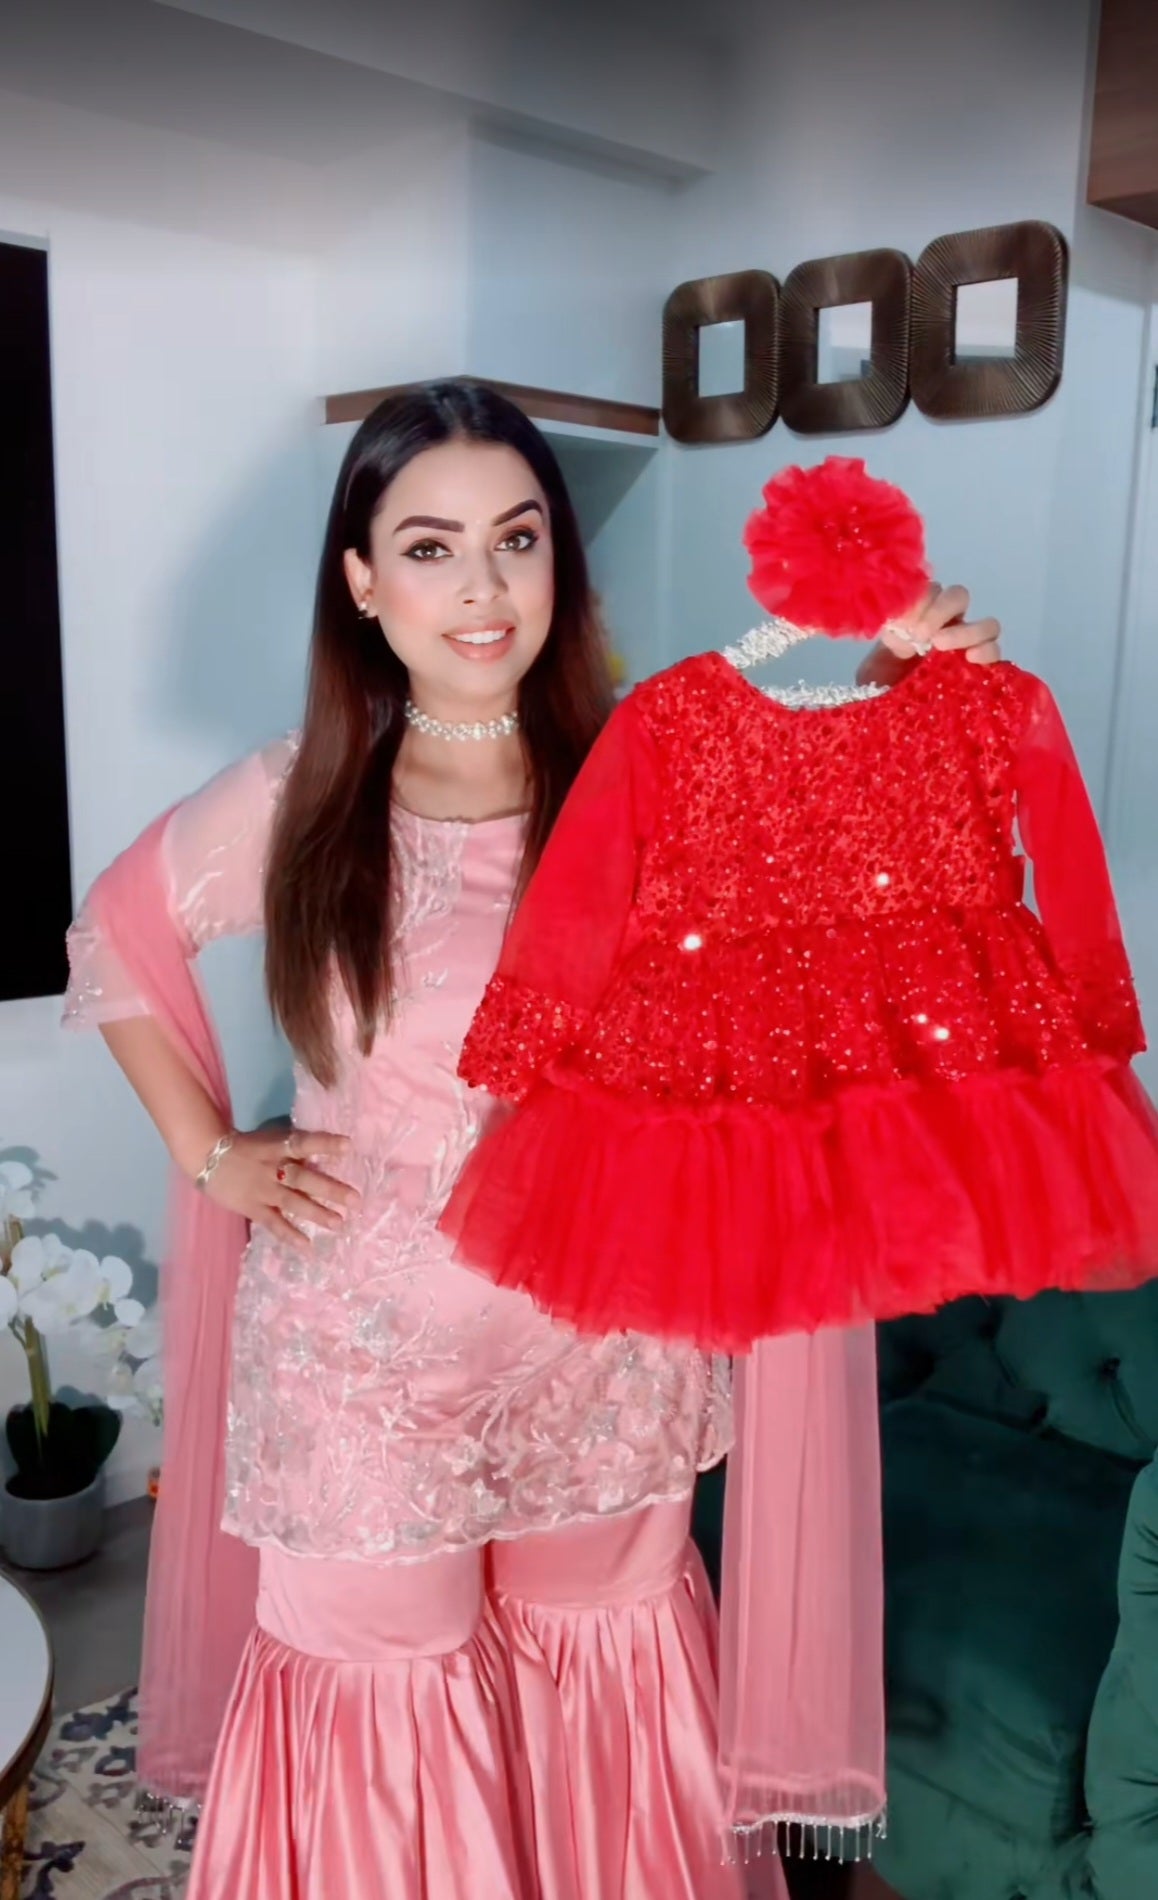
728,1222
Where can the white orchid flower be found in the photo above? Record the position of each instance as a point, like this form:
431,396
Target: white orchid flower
17,1191
116,1280
140,1393
102,1345
148,1385
121,1396
147,1379
46,1310
68,1287
59,1285
78,1288
41,1309
35,1258
143,1341
51,1288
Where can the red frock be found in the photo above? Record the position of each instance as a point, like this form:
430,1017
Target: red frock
788,1047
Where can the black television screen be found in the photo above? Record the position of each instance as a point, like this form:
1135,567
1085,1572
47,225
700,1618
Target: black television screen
36,881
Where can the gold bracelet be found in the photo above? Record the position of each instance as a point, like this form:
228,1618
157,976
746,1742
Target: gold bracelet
214,1159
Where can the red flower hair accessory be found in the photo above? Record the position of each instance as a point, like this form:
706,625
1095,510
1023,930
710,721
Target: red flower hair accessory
836,551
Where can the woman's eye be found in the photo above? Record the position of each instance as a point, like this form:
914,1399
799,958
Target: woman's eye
518,541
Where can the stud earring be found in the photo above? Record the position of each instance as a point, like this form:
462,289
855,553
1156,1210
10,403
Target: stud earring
364,610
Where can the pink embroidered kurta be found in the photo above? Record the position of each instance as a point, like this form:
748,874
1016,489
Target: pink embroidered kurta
387,1403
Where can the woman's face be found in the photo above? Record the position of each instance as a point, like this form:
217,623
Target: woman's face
461,576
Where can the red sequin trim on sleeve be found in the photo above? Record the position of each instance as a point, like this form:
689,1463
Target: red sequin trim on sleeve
1106,1001
516,1031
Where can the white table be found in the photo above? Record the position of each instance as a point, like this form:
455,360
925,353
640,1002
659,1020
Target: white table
25,1717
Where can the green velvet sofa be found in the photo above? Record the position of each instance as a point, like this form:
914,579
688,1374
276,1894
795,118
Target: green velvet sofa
1021,1511
1021,1516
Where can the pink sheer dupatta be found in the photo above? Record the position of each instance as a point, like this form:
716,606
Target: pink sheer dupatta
801,1634
202,1586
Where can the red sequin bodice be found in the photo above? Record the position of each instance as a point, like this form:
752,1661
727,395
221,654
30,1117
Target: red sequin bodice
863,810
814,899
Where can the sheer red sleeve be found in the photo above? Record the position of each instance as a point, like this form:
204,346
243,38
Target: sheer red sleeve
568,930
1071,883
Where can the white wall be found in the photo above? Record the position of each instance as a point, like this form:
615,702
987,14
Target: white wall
568,266
628,79
185,304
892,125
393,273
1132,816
622,498
570,260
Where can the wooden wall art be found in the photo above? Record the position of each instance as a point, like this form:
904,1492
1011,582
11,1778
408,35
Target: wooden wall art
750,297
879,278
913,349
1034,254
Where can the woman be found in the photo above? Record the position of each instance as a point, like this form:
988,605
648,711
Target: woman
483,1661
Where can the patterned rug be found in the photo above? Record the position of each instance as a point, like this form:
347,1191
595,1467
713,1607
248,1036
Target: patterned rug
85,1839
87,1842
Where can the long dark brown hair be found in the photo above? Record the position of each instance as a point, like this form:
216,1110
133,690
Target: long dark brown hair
329,886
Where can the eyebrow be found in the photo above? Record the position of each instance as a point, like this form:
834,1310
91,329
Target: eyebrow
459,527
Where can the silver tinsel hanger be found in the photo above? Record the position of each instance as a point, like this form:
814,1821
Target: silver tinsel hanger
771,641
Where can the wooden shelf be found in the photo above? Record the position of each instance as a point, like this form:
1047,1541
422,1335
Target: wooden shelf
582,435
1123,173
542,405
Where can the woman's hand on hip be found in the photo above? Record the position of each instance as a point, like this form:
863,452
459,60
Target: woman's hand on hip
278,1181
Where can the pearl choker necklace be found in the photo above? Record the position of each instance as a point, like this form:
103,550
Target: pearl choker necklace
439,729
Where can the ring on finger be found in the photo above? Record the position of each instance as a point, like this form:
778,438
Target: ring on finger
910,639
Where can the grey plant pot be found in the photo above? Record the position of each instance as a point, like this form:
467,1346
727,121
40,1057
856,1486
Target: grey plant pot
53,1533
